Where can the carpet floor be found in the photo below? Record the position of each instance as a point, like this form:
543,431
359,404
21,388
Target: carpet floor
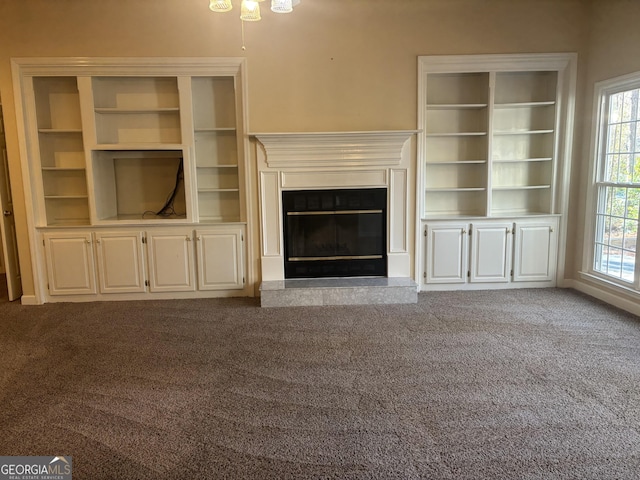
517,384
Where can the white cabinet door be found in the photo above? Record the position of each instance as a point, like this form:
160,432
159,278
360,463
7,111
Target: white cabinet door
491,252
120,262
447,247
535,252
70,264
171,261
220,259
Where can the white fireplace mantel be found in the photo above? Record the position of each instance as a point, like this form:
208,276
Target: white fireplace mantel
317,149
318,160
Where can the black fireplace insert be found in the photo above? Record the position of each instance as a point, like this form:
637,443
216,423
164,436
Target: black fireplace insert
335,233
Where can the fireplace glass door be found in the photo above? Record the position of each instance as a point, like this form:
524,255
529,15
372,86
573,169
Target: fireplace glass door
335,233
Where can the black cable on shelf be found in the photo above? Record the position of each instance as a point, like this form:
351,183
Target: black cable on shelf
167,209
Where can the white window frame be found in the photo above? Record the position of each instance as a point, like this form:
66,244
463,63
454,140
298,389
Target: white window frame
602,91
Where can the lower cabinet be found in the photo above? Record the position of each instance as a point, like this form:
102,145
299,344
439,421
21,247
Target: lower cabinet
70,263
220,259
122,261
171,266
487,252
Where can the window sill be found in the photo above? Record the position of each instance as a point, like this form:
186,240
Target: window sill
629,292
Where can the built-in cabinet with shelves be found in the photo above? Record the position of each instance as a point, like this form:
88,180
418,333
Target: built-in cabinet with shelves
120,143
493,148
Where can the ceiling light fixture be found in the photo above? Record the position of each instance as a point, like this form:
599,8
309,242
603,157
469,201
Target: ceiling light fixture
250,9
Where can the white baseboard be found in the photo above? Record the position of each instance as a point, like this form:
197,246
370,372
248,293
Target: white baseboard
607,296
29,300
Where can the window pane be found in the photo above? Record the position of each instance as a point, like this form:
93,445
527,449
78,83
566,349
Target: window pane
630,234
613,139
628,265
619,202
624,169
625,143
633,203
627,106
611,170
615,101
636,165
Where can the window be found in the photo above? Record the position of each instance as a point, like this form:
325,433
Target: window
617,182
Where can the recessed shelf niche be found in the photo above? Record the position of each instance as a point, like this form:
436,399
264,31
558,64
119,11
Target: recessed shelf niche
135,186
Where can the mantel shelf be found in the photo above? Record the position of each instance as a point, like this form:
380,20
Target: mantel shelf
315,149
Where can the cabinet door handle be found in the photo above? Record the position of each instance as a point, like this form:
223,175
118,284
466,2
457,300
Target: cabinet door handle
188,239
7,213
464,231
508,231
550,229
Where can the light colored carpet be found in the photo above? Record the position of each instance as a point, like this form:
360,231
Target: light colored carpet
520,384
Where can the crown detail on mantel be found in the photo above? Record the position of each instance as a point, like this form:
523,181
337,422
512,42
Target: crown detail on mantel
331,149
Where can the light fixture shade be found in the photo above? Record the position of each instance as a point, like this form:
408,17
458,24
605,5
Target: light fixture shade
281,6
250,11
220,5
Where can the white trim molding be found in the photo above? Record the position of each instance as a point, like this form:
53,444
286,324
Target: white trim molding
326,149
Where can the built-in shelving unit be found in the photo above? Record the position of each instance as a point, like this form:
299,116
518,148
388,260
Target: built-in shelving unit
128,159
216,149
456,137
489,143
60,147
490,149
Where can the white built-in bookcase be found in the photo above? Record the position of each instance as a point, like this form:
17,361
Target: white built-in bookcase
108,143
494,143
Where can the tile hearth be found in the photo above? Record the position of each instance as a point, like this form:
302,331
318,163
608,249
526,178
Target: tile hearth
338,291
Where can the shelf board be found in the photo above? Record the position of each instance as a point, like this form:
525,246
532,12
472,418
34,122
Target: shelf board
522,132
211,219
66,197
134,111
456,134
215,130
142,217
452,215
525,104
496,212
523,160
63,169
456,106
456,162
520,187
217,190
454,189
216,166
59,130
137,146
75,222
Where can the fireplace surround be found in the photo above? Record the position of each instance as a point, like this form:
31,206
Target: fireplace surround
324,161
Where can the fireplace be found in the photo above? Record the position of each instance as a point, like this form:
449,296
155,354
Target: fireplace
335,218
335,233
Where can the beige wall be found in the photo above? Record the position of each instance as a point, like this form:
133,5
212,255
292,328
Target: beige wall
331,65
